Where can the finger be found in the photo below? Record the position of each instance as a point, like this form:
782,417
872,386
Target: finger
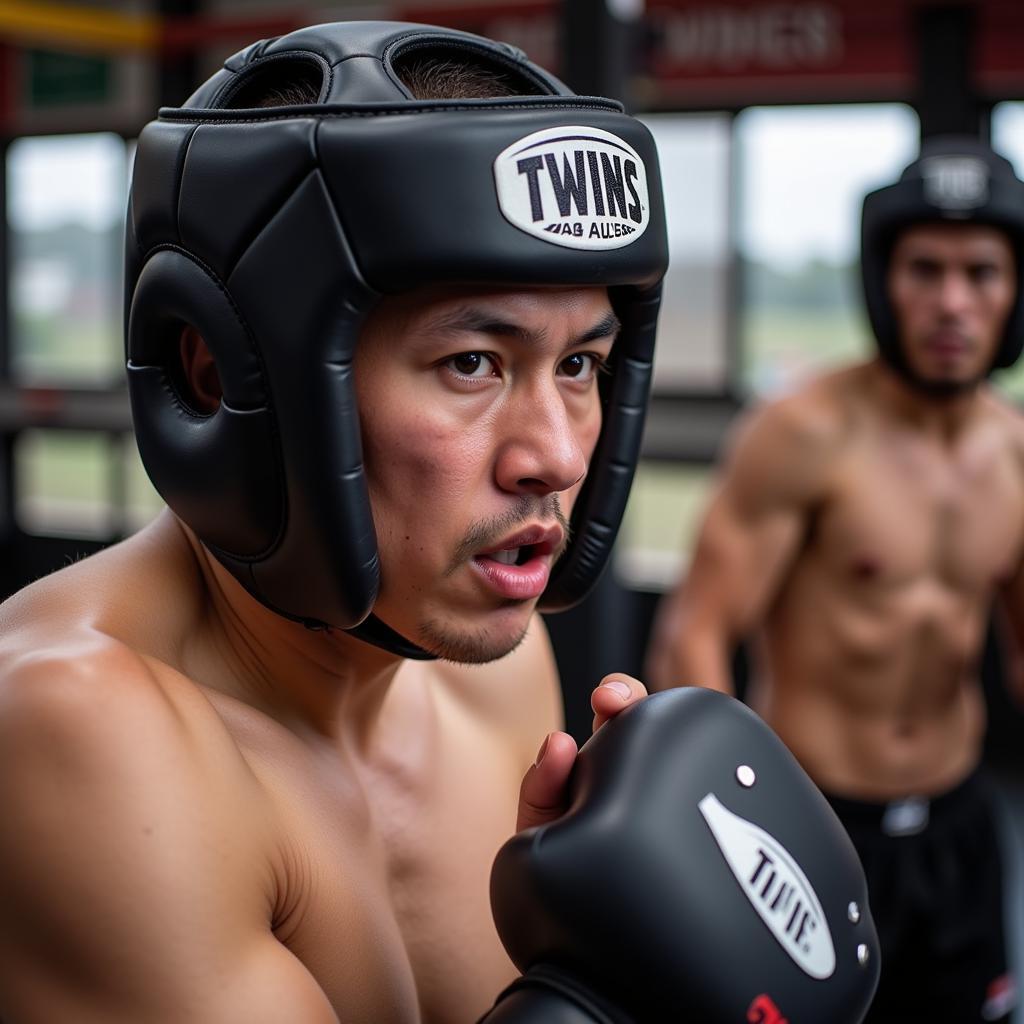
543,795
615,693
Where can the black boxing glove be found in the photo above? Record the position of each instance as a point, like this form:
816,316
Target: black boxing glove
698,875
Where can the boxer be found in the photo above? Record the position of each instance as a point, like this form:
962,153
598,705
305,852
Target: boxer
861,530
257,759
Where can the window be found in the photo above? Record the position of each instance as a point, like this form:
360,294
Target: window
665,507
693,151
62,483
81,483
802,173
141,500
1008,133
66,199
1008,139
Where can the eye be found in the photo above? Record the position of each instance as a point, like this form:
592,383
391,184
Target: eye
581,366
982,272
471,364
925,270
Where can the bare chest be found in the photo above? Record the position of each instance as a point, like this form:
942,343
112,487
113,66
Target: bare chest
384,884
905,514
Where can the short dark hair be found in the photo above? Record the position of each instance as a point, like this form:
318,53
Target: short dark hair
427,76
439,78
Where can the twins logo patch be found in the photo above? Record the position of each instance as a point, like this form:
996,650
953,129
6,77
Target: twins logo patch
583,188
776,887
955,183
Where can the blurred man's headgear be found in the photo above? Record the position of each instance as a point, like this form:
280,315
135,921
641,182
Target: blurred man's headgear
958,180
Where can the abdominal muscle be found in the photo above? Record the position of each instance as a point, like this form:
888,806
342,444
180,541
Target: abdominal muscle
874,689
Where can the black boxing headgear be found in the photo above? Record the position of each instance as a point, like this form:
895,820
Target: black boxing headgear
956,179
274,231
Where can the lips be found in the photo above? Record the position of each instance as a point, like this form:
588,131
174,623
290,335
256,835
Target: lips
947,344
518,567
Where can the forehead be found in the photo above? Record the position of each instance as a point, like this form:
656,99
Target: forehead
948,241
555,311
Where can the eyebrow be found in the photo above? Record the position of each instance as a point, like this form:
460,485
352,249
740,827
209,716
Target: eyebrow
471,320
934,262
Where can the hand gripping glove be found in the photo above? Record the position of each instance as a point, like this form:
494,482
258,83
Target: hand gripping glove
699,876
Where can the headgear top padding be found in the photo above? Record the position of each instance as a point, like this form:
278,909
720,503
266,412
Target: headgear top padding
955,179
274,231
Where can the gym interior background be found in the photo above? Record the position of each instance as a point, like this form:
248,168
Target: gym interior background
773,117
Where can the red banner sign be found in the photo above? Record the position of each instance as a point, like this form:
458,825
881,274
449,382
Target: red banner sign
700,52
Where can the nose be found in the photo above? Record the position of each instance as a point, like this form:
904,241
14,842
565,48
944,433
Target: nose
540,449
954,293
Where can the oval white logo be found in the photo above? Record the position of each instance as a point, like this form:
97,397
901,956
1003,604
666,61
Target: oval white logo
583,188
955,182
776,887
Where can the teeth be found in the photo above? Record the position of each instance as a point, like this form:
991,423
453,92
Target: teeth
506,557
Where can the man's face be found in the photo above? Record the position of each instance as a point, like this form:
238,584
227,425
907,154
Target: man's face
952,287
480,413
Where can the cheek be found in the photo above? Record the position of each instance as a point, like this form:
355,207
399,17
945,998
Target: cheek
908,309
588,427
593,427
419,473
1002,303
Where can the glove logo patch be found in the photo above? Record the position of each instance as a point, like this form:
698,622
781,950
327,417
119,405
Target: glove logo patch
776,887
583,188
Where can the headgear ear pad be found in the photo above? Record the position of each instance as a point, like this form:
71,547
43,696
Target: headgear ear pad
275,231
956,179
221,472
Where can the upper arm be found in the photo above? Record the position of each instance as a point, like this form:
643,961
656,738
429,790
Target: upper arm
772,478
125,889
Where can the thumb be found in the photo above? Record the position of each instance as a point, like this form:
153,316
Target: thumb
543,795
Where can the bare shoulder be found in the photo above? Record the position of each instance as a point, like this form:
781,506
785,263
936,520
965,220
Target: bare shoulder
519,695
92,730
817,416
1007,415
787,448
143,590
86,719
59,677
122,804
82,694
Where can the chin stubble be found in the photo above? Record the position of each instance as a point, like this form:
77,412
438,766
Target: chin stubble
465,647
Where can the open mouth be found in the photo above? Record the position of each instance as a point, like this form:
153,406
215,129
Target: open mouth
514,556
518,567
525,546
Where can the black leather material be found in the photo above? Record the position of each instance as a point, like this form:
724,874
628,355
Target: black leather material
358,57
244,177
239,502
913,200
155,184
302,217
631,892
545,995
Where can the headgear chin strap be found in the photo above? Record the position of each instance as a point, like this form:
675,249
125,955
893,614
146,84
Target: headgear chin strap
956,179
274,232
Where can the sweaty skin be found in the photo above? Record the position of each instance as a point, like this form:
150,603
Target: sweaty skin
214,814
859,533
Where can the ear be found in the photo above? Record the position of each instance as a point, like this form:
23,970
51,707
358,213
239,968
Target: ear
199,372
